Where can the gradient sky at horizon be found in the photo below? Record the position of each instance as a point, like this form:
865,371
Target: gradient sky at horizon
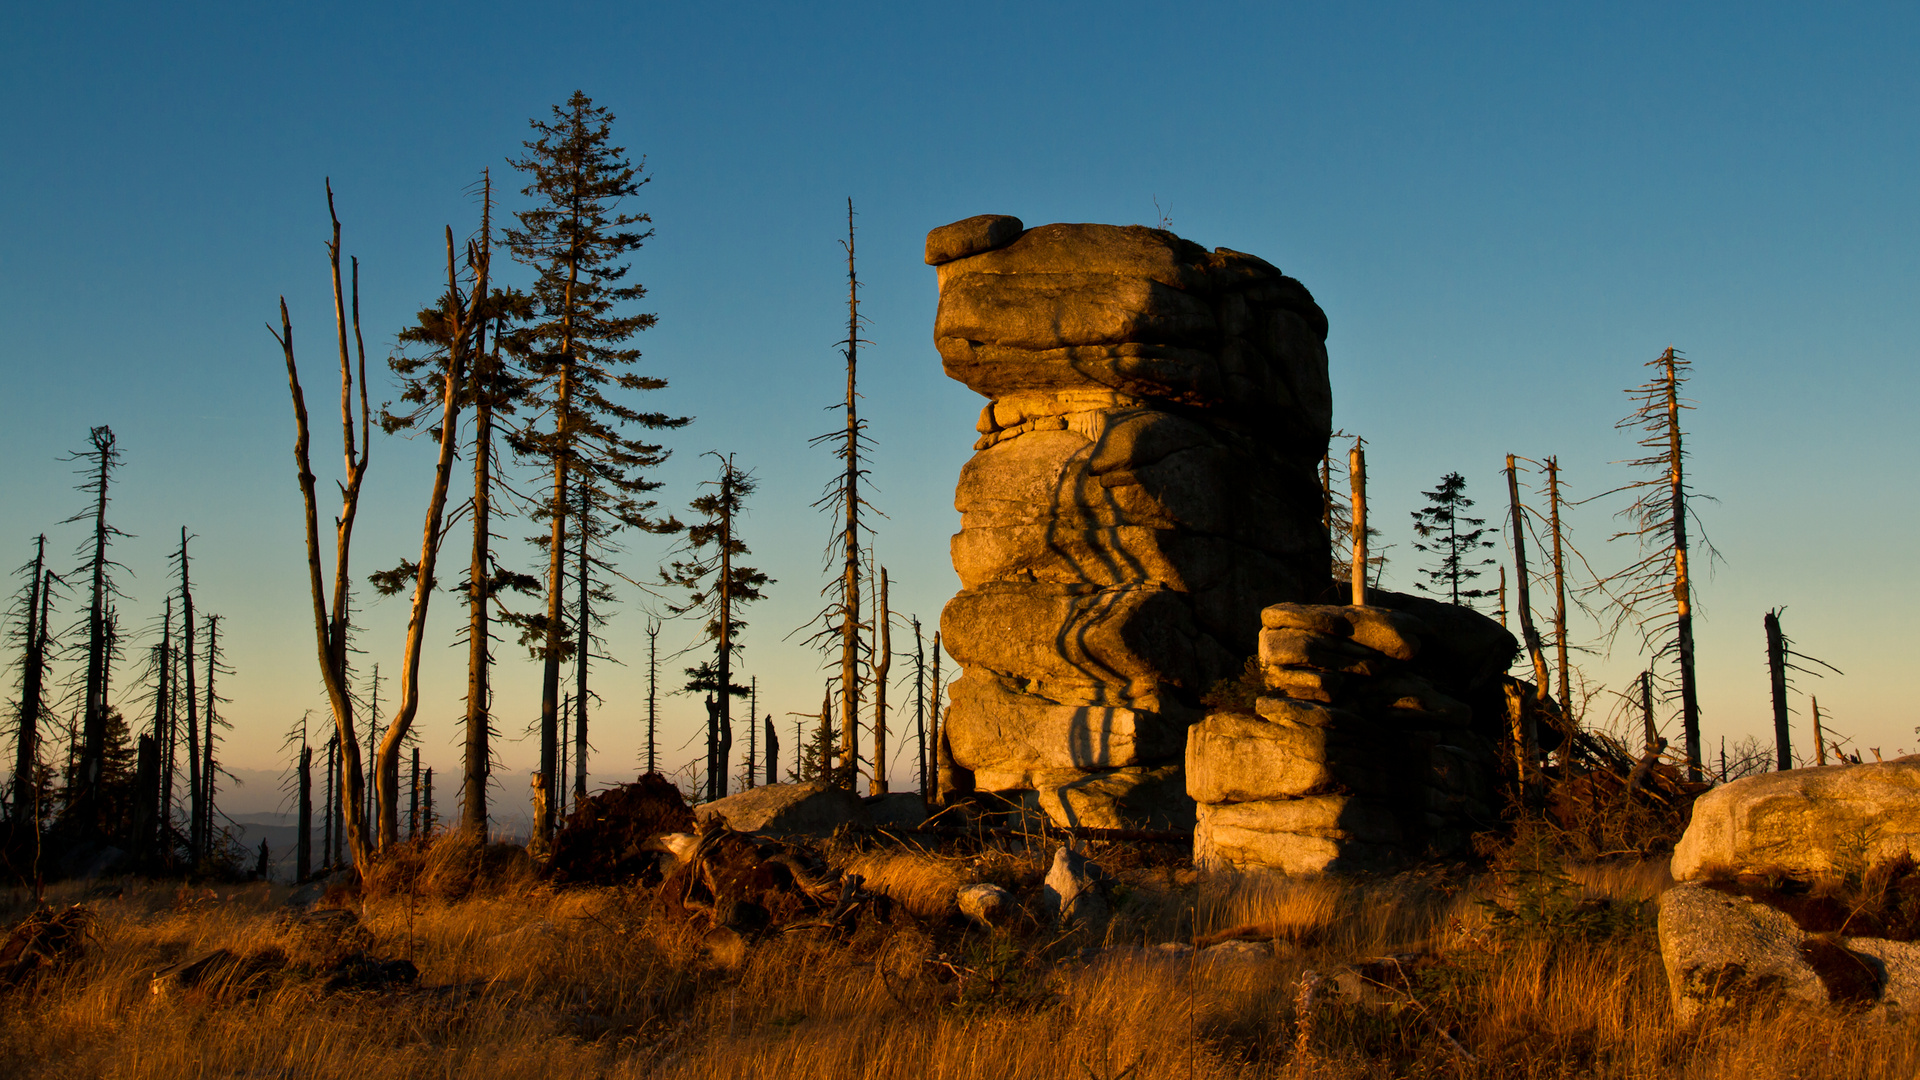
1505,211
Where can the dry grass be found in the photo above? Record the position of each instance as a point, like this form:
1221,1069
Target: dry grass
521,981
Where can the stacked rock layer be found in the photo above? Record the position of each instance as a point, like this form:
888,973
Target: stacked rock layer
1143,485
1354,759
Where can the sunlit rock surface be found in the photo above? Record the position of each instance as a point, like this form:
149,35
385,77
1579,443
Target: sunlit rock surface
1143,485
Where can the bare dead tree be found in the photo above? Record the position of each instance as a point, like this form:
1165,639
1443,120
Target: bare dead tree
1530,634
1559,598
748,775
24,804
103,456
653,694
1654,593
303,846
330,620
920,704
196,789
840,620
1357,477
1781,657
1819,736
882,664
466,316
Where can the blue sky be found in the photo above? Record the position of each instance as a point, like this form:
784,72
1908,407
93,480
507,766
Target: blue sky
1505,212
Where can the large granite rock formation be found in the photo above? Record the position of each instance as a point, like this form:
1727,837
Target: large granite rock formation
1144,484
1364,752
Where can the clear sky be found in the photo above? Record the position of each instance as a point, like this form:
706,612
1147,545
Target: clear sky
1504,211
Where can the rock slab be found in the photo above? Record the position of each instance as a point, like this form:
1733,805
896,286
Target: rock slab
815,808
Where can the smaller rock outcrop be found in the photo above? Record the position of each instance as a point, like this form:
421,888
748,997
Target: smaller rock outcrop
1354,758
1804,822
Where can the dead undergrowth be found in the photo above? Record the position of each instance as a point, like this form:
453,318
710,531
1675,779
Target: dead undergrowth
519,978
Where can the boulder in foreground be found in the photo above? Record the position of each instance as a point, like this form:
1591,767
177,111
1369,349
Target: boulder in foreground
1804,822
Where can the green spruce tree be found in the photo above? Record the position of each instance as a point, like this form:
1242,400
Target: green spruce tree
1446,531
576,238
718,584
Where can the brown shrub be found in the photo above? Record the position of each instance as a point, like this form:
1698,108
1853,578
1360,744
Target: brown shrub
449,866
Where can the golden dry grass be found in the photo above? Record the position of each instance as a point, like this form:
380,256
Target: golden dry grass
521,981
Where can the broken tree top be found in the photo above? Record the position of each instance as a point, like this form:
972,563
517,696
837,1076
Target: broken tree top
1143,485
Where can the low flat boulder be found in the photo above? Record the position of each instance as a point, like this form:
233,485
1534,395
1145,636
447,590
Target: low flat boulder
815,809
1804,822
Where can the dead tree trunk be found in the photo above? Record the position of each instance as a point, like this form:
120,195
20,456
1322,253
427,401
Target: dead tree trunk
477,763
882,664
583,653
1357,476
1819,737
1527,729
826,737
208,765
464,320
303,844
942,780
1646,708
850,536
1682,584
723,666
196,800
653,690
26,759
1777,671
93,726
1528,632
1560,610
330,626
413,798
772,753
333,775
920,702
